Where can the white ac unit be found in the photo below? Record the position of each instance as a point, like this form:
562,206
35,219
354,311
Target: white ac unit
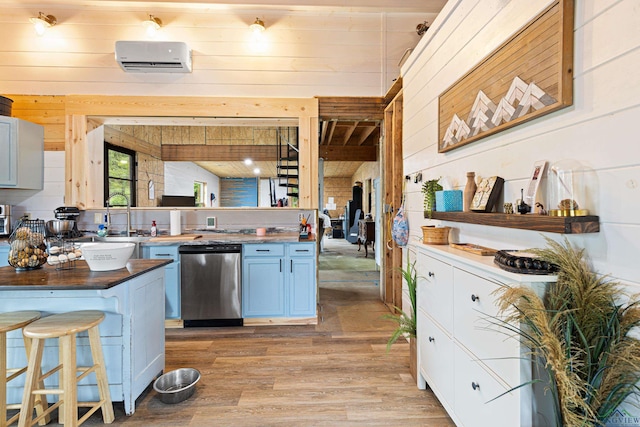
153,56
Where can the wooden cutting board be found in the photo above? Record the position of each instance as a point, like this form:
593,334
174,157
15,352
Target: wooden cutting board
474,249
178,238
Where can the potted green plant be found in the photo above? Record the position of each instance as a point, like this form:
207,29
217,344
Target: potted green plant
406,321
580,334
429,189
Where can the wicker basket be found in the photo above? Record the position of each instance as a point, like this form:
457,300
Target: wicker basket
432,235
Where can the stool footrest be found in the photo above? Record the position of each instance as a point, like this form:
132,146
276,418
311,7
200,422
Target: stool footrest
15,372
51,372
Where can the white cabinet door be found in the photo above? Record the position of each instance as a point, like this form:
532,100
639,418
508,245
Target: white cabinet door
436,285
475,390
475,326
436,358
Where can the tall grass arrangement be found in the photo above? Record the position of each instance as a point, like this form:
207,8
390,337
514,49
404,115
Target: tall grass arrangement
406,321
580,334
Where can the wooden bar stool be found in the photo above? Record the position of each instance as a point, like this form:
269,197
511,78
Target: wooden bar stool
12,321
65,326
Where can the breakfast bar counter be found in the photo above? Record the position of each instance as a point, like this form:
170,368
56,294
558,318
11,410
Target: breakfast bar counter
132,333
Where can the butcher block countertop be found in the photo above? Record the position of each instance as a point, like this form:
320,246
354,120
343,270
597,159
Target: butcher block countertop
78,278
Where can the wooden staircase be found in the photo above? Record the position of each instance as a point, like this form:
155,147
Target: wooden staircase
287,166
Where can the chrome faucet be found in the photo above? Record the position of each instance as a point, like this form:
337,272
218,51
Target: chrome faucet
128,231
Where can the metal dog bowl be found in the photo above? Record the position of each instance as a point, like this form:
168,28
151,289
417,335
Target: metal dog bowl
178,385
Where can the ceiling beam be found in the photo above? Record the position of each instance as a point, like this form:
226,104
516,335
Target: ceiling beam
348,154
332,128
229,153
349,132
365,134
351,108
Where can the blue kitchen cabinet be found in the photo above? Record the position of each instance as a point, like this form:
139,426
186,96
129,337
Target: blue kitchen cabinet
171,277
4,255
301,279
279,280
263,286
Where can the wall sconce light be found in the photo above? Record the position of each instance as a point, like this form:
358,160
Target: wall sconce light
42,22
152,25
258,26
422,28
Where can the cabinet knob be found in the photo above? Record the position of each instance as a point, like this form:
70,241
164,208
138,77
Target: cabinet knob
431,274
474,298
431,339
475,385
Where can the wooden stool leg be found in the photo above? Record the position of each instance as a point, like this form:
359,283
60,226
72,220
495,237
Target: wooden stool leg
69,409
30,383
101,376
3,379
40,400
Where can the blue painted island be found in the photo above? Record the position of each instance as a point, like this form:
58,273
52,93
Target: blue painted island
132,333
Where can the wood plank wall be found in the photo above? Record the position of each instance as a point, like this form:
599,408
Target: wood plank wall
48,111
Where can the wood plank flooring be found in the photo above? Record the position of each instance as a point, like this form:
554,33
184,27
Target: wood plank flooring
336,373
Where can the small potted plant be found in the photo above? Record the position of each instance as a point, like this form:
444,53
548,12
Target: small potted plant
429,189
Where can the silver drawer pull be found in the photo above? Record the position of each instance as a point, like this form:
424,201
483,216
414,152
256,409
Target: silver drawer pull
475,385
431,339
431,274
163,254
474,298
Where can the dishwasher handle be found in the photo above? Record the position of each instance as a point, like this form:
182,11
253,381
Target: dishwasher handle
227,248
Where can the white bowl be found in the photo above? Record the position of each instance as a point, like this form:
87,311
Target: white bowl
107,256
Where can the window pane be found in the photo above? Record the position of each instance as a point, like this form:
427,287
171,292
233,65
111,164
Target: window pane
119,165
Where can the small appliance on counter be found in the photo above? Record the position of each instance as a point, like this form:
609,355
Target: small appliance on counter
5,220
66,224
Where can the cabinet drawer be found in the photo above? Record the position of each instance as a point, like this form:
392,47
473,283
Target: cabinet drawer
435,355
435,289
475,328
157,252
264,249
474,388
301,249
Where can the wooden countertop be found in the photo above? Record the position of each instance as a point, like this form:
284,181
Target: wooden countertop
78,278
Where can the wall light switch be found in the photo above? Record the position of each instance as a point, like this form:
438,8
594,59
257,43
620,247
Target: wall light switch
211,222
97,218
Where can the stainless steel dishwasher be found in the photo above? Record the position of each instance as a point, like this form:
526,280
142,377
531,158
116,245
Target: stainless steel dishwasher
211,289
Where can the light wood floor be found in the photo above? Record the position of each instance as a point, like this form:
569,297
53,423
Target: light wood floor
336,373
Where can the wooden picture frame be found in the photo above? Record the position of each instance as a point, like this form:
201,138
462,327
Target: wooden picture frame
487,194
529,75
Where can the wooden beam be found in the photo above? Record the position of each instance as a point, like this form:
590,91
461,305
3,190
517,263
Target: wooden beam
367,132
121,139
348,154
332,128
349,132
351,108
226,153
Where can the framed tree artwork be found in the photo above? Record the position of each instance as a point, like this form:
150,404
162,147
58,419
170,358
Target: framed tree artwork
529,75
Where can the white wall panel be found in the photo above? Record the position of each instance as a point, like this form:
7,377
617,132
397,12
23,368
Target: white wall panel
597,130
305,54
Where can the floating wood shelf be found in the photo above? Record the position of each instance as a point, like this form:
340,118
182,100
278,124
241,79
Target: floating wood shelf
551,224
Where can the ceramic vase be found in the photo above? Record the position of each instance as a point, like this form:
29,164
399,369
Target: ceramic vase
469,191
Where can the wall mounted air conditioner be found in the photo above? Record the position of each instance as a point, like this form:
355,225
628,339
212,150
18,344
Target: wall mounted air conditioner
153,57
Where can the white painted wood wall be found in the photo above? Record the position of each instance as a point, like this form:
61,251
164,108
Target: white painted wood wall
599,130
305,54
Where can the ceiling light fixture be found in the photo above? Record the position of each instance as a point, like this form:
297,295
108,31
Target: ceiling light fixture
422,28
42,22
257,26
256,171
248,162
152,25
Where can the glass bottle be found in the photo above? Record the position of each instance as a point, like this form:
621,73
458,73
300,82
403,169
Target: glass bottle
469,191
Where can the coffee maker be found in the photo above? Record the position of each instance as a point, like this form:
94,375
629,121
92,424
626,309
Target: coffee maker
70,213
5,220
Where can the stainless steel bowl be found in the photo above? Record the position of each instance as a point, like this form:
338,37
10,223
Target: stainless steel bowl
178,385
60,226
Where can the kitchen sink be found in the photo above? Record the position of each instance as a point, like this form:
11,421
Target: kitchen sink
119,239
